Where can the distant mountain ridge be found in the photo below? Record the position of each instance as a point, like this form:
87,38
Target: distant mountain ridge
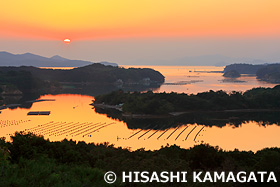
200,60
57,57
29,59
216,60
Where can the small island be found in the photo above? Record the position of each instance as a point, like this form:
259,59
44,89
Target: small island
232,74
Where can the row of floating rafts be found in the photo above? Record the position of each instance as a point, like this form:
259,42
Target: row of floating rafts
88,134
86,129
68,128
138,132
197,134
63,128
41,129
73,129
39,126
39,113
46,127
6,123
145,133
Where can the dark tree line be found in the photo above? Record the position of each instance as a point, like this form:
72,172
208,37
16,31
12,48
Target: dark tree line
33,161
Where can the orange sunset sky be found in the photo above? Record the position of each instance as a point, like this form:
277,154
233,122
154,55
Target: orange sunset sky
114,28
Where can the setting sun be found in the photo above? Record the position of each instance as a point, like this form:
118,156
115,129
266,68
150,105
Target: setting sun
67,41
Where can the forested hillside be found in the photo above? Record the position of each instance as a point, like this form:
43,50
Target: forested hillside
97,73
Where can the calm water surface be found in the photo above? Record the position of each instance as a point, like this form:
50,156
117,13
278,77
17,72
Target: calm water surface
73,118
199,79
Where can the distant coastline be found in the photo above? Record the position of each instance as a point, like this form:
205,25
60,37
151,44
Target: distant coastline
264,72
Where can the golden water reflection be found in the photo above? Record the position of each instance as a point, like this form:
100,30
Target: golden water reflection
73,118
203,78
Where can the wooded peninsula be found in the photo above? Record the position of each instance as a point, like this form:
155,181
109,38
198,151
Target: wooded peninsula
166,103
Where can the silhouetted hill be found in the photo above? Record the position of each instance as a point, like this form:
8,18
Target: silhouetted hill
29,59
94,73
244,68
57,57
269,73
